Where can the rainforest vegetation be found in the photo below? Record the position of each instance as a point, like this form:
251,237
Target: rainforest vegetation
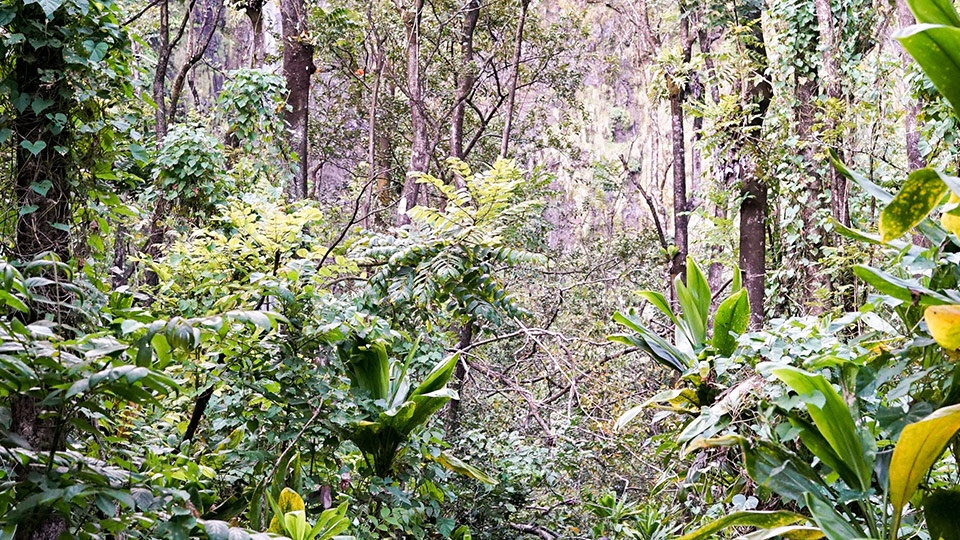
479,269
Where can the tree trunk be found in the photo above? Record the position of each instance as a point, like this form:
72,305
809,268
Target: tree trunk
298,67
466,78
753,209
514,78
44,229
254,12
914,159
160,75
830,76
678,92
420,146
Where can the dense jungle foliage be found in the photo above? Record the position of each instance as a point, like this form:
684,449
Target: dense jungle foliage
436,269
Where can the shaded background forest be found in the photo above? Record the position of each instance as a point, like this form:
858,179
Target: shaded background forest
387,254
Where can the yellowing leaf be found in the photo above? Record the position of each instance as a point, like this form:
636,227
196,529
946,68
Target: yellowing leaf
920,445
288,502
944,325
759,519
950,221
922,191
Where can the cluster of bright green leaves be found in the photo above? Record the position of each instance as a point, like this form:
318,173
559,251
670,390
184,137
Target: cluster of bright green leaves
190,170
450,257
401,407
694,298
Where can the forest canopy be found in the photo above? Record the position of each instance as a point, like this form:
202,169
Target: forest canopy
435,269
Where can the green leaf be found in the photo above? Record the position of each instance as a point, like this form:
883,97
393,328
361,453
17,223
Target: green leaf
33,147
732,317
791,532
937,49
42,187
758,519
49,7
934,12
832,417
918,448
831,523
901,289
920,194
940,511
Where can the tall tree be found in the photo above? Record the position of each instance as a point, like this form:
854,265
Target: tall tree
466,76
914,158
298,68
755,98
412,16
514,78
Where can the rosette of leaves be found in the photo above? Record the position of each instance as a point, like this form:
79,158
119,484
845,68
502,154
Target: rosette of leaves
401,408
290,519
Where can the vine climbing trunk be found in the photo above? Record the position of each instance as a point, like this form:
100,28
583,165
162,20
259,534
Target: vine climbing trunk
298,67
43,195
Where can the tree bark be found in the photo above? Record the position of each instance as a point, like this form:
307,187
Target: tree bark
298,67
753,209
38,72
466,78
914,158
420,145
514,77
839,187
678,90
254,11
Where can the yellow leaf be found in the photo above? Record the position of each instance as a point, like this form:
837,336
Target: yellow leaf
920,445
949,221
944,325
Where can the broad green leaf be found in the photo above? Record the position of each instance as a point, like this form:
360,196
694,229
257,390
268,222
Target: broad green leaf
918,448
732,317
940,510
660,302
758,519
649,342
937,49
49,6
834,526
832,417
934,12
699,288
901,289
920,194
692,319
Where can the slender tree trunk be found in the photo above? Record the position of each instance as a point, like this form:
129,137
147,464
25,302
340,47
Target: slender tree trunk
160,76
372,142
254,12
830,75
466,78
753,209
459,373
678,90
514,79
914,158
298,67
420,145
